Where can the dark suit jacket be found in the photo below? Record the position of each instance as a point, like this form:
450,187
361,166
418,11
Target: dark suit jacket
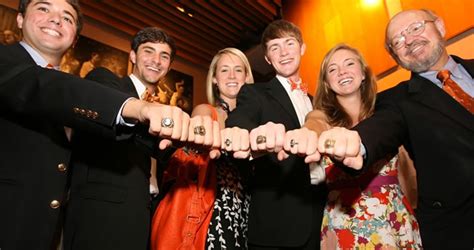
438,133
35,105
109,205
284,207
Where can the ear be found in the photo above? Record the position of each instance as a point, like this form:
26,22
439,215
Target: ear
133,57
19,20
303,48
214,80
268,60
439,23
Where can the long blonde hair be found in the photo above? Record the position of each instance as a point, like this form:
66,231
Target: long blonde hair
211,89
325,98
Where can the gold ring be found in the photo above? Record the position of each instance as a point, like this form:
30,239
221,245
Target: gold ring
261,139
200,130
329,143
167,122
293,143
227,142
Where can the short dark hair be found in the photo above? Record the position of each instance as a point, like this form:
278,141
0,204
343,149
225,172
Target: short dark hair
74,3
279,29
154,35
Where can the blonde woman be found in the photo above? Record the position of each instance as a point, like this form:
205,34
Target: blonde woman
220,216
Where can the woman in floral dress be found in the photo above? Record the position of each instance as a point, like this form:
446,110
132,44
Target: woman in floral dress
365,210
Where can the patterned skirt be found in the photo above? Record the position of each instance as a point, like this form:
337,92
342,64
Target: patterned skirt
228,227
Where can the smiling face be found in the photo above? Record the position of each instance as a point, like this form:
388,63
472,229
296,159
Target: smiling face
344,73
49,27
151,62
284,54
229,76
422,52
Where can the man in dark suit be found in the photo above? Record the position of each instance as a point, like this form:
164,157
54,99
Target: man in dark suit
36,104
436,129
109,204
279,188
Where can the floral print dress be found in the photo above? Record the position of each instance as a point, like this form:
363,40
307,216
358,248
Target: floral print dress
369,211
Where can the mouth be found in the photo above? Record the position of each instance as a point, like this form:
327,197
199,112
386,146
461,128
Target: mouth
416,47
286,61
51,32
232,84
155,69
345,81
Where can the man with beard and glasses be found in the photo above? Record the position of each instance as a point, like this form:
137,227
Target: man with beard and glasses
432,117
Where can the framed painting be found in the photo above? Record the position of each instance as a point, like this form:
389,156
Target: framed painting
88,54
176,89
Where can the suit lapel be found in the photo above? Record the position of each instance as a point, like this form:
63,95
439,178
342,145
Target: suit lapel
126,85
427,93
276,91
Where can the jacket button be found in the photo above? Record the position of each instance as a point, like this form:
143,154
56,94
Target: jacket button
437,204
54,204
76,110
62,167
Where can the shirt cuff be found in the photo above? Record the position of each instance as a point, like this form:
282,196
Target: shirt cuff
317,173
363,151
119,120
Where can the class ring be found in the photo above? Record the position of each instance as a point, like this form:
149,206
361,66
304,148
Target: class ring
329,143
261,139
167,123
200,130
293,143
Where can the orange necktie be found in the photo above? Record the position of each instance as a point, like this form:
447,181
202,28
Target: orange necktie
453,89
302,86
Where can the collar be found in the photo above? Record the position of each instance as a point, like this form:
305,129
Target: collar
451,65
39,60
139,86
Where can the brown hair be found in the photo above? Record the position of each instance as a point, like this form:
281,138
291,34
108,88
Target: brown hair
279,29
325,98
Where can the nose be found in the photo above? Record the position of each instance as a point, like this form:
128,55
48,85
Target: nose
409,38
231,74
55,18
157,59
341,71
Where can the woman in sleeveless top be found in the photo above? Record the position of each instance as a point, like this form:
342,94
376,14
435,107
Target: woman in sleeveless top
364,210
218,187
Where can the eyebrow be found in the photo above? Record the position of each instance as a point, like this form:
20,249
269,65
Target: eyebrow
345,60
67,12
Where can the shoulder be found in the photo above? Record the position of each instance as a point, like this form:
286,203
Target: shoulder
317,114
395,92
104,76
203,110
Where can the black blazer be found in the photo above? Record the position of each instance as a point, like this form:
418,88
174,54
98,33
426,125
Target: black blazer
35,105
109,204
284,205
438,133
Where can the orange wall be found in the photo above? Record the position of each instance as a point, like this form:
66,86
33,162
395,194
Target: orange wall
325,23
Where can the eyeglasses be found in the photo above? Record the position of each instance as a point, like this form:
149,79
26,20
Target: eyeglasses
414,29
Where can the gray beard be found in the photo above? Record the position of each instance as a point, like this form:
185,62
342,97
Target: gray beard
426,64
